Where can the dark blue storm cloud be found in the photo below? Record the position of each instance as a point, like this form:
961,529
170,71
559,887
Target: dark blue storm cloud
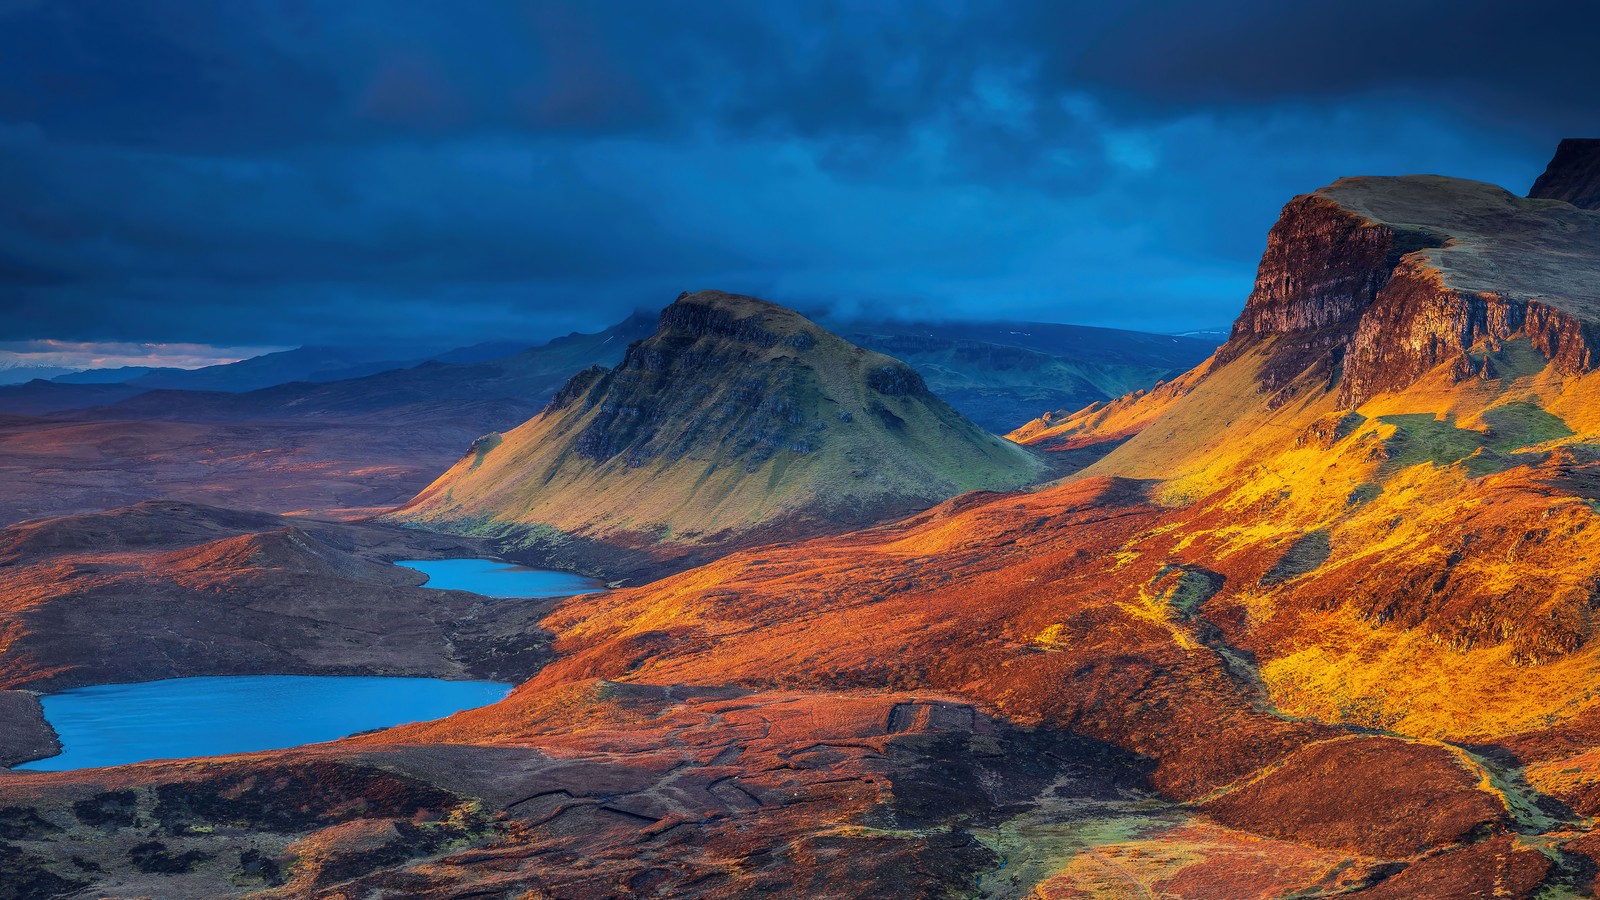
290,172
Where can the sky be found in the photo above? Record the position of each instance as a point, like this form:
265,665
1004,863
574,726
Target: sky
238,173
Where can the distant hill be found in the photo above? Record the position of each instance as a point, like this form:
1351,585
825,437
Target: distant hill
1002,374
738,421
119,375
502,392
40,397
300,364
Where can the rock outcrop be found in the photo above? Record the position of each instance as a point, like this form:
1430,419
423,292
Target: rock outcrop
1573,175
737,422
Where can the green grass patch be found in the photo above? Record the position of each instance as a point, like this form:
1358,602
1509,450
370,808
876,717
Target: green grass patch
1365,493
1186,588
1519,424
1421,438
482,446
1307,554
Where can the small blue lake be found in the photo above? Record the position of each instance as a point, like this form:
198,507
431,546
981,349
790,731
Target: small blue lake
115,724
493,578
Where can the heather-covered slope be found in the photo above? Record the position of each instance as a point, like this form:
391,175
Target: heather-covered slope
737,421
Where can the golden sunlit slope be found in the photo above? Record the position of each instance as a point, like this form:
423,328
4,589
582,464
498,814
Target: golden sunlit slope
1356,554
1406,426
737,421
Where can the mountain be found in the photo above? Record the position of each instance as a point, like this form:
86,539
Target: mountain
484,352
119,375
1334,587
1002,374
737,421
312,363
41,398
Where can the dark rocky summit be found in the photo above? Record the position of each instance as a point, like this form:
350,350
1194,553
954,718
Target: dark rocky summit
1573,175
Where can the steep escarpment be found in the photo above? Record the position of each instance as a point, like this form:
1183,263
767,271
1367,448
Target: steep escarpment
1323,266
738,421
1371,283
1508,268
1375,281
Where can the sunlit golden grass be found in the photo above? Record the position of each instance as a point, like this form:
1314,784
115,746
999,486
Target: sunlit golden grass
1402,681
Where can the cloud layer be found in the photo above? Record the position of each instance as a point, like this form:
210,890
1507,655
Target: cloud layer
281,173
116,354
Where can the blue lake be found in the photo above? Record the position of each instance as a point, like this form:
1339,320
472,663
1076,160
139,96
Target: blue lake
493,578
114,724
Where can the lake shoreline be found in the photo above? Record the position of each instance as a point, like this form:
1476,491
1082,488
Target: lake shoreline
500,579
184,718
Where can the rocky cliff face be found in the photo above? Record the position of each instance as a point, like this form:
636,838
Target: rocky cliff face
1422,323
1573,175
1322,268
1371,282
738,421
